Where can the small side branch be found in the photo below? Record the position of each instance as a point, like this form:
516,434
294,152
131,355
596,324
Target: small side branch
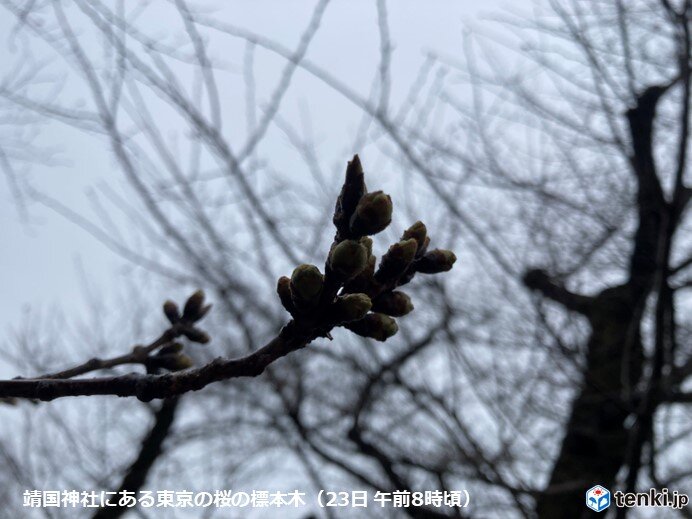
148,387
537,279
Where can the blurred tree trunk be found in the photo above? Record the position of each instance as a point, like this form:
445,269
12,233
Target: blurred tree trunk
597,443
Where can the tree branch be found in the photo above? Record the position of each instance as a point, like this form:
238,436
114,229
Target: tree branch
651,204
137,473
148,387
343,296
537,279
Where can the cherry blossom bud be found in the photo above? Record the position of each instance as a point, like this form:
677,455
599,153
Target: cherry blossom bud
193,306
171,311
394,303
435,261
306,286
196,335
180,362
348,258
418,232
366,241
374,325
174,347
283,288
351,307
397,259
373,214
363,281
351,193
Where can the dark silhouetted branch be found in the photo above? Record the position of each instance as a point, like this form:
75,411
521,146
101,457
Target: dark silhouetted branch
151,449
537,279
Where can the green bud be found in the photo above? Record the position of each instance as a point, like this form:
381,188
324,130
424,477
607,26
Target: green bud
193,306
170,361
394,303
203,311
374,325
418,232
171,311
373,214
196,335
406,250
351,193
369,270
397,259
422,250
174,347
366,241
283,288
435,261
348,258
181,361
351,307
363,281
306,285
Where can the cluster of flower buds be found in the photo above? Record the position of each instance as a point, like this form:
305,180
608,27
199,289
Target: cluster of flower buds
302,296
170,356
193,311
352,292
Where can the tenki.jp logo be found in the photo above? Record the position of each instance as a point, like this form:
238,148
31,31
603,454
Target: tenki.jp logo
598,498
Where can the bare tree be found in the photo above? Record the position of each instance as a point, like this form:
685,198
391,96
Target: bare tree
604,196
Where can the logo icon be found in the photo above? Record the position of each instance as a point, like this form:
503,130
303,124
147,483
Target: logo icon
598,498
